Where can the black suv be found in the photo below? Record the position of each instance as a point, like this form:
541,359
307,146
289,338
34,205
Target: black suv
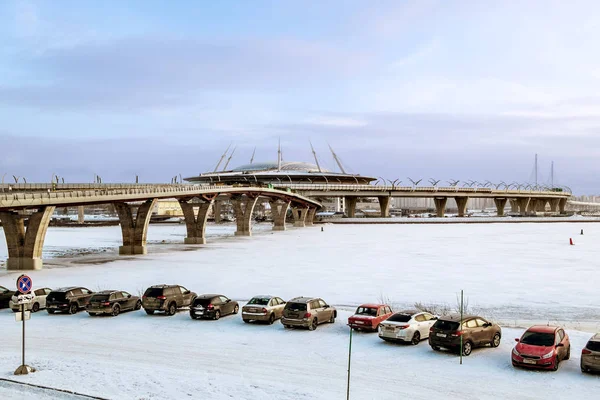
68,299
167,298
213,306
112,302
5,296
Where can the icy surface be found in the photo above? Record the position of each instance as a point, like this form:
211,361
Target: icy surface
513,273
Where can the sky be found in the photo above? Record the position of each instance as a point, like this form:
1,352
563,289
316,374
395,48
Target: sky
467,90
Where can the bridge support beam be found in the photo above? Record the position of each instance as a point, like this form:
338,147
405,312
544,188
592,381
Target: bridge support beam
554,205
134,230
217,211
300,214
500,204
310,216
195,221
350,206
25,245
279,209
242,209
523,204
384,206
80,215
440,205
461,205
541,205
562,204
514,206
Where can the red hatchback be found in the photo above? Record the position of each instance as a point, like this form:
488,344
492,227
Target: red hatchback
542,347
368,316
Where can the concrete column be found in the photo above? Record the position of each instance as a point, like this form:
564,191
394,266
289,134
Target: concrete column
80,215
299,214
514,205
461,205
25,246
196,215
523,203
279,209
134,229
350,206
562,204
384,206
242,209
440,205
500,204
554,205
217,211
310,216
532,206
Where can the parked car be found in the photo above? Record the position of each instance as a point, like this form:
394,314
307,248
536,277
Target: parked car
590,355
38,302
5,296
475,331
213,306
307,312
112,302
263,308
542,347
409,326
368,317
167,298
68,299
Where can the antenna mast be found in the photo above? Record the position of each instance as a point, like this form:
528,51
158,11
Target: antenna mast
279,156
315,155
229,159
253,153
337,160
536,169
552,175
222,158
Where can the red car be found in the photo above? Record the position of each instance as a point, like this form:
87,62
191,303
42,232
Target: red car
542,347
368,316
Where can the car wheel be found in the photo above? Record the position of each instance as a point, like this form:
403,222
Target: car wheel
149,312
73,308
217,315
246,320
50,311
435,348
35,308
115,310
271,319
495,340
568,353
138,305
332,319
416,338
193,316
172,310
467,348
236,309
313,325
287,326
555,366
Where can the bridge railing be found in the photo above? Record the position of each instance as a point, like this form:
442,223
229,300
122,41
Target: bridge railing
423,189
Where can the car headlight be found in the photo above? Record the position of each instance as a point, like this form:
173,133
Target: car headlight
547,356
515,352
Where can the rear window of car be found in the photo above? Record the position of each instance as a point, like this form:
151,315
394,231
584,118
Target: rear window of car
295,306
538,339
446,325
99,297
367,311
261,301
57,296
202,302
593,346
400,318
153,292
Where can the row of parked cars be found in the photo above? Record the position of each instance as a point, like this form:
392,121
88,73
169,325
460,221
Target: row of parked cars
541,347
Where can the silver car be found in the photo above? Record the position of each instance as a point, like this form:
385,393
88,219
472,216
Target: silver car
38,302
265,308
590,355
307,312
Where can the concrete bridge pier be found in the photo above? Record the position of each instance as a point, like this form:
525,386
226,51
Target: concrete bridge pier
461,205
310,216
243,207
299,214
384,206
523,204
514,206
80,215
279,209
562,203
500,204
350,203
25,245
554,205
541,205
217,211
195,213
440,205
134,229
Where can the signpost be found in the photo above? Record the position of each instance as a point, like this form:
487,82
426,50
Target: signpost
24,285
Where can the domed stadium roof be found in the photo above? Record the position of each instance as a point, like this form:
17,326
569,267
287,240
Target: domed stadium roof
297,166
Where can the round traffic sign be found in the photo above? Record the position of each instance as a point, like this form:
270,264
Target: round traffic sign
24,284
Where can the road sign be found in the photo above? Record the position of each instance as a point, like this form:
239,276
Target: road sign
25,298
24,316
24,284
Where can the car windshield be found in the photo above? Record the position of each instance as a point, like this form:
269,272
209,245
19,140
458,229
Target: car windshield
446,325
367,311
400,318
153,292
538,339
261,301
593,346
296,306
99,297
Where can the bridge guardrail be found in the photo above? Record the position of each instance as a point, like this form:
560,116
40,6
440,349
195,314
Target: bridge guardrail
425,189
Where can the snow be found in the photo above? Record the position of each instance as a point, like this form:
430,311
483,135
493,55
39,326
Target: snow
516,274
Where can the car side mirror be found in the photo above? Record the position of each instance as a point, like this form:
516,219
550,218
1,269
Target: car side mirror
128,296
517,340
187,292
228,300
326,306
560,345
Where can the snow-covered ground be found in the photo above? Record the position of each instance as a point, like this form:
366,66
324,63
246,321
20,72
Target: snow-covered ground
513,273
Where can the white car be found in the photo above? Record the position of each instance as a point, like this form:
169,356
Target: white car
38,302
407,326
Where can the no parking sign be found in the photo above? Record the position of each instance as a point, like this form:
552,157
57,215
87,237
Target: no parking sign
24,284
